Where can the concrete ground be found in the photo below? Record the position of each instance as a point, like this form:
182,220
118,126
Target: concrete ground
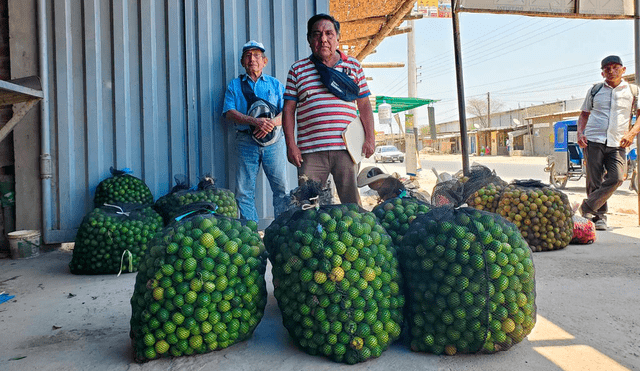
587,298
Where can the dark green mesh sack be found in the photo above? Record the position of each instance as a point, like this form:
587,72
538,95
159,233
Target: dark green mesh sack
337,281
222,200
200,288
542,213
122,188
114,238
469,282
396,214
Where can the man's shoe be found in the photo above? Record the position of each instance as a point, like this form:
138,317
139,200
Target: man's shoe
601,225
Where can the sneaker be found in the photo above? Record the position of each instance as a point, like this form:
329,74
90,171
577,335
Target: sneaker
601,225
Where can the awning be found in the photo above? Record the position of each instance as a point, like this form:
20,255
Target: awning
399,104
518,133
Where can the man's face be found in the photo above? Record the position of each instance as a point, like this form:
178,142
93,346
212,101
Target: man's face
253,61
323,39
613,71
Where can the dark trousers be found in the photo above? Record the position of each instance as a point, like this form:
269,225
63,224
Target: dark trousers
600,186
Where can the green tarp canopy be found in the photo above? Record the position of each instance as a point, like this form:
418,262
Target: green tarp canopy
399,104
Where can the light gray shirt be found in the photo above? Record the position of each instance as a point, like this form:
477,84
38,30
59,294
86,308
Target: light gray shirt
610,111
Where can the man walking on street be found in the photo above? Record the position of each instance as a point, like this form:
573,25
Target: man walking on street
253,102
326,91
604,133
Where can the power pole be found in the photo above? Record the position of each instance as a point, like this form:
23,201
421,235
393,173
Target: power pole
488,110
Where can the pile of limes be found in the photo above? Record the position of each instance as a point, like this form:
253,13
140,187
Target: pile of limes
111,239
337,281
200,288
222,200
469,282
396,214
543,215
122,188
486,198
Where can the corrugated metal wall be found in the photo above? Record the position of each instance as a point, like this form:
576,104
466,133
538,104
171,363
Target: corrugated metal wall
140,84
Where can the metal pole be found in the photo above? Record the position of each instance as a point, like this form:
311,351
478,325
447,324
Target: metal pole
45,134
461,102
636,28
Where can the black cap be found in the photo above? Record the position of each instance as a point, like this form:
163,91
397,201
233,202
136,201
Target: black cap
610,59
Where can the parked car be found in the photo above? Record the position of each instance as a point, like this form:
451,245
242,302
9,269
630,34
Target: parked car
388,153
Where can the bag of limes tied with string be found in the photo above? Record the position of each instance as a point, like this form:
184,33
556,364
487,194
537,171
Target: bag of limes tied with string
122,188
542,213
396,214
171,204
200,288
114,238
469,282
337,281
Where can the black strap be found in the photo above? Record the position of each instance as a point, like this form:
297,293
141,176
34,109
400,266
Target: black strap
338,83
251,97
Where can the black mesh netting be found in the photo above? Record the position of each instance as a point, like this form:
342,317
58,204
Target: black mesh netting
480,189
396,214
122,187
469,282
114,238
223,201
337,281
200,288
543,214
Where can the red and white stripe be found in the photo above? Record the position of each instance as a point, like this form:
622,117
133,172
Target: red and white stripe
321,116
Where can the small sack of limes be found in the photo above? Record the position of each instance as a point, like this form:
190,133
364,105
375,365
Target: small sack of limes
396,214
205,192
122,188
337,281
200,288
469,279
113,239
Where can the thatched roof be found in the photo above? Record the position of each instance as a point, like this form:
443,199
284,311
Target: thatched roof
364,24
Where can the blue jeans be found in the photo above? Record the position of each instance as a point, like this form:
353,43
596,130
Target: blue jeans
273,160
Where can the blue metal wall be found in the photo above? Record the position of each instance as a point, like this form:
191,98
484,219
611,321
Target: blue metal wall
140,84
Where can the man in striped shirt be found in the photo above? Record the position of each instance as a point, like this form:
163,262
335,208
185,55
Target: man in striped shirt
321,116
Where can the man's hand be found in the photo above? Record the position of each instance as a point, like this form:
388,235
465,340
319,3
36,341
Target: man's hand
368,147
294,156
263,127
582,140
264,124
627,140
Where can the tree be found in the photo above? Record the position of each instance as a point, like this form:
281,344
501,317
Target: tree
478,107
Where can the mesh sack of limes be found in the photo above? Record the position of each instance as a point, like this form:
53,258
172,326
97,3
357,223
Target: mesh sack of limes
171,204
469,282
336,281
200,288
543,214
114,238
122,188
396,214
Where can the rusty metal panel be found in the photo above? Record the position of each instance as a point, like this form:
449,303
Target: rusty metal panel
140,84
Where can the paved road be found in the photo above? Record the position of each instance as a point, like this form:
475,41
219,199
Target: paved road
508,168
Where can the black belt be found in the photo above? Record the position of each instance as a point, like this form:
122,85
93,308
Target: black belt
245,131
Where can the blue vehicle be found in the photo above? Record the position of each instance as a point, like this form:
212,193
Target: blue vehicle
567,161
632,169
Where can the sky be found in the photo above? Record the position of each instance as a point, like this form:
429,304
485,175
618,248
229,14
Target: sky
521,61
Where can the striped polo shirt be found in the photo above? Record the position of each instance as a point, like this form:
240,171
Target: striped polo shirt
321,116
